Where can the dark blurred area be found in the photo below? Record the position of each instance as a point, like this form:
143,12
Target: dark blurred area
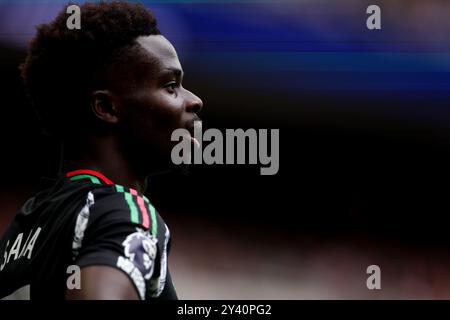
364,140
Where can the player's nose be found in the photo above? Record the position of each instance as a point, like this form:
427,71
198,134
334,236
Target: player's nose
193,103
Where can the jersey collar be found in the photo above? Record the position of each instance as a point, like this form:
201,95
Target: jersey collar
95,176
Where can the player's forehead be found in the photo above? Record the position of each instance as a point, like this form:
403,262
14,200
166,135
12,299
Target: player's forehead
160,50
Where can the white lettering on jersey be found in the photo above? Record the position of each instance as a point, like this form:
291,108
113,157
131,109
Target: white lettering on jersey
18,250
31,244
5,256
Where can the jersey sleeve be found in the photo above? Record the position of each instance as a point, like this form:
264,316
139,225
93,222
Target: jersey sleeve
114,228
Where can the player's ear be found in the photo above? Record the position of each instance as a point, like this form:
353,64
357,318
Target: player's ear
104,106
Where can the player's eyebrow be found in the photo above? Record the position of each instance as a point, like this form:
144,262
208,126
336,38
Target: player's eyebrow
175,71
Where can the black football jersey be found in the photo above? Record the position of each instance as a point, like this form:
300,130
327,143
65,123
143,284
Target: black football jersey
85,219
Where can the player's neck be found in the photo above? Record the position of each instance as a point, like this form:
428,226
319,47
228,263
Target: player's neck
103,155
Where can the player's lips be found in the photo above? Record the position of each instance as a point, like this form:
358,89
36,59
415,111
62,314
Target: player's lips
196,125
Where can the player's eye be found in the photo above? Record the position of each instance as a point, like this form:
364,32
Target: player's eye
171,86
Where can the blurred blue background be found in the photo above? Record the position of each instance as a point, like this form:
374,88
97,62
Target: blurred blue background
299,48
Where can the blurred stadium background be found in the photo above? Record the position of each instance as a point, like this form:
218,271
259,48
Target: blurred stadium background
365,127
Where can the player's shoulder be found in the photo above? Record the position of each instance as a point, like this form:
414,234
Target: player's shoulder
124,203
106,200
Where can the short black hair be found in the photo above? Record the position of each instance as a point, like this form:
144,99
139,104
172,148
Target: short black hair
63,65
